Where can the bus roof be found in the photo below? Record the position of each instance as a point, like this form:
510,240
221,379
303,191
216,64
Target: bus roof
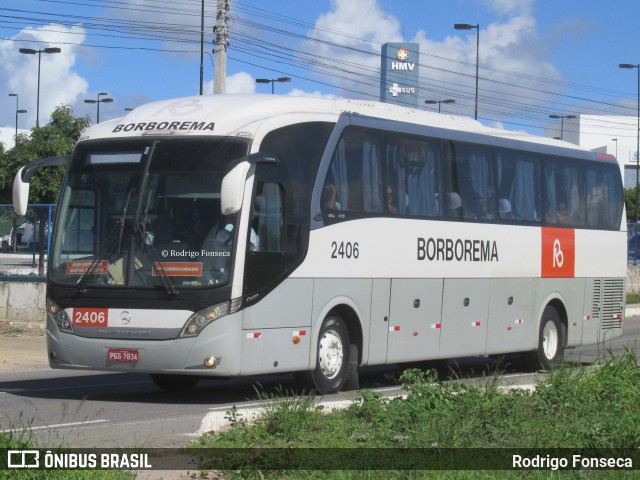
242,115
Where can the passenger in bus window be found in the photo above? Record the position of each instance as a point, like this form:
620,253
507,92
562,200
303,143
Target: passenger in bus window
330,197
480,211
505,209
392,202
563,214
455,205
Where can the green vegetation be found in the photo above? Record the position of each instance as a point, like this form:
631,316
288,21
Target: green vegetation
633,298
589,408
21,439
56,138
630,204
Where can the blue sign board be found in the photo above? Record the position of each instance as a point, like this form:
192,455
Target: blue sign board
399,77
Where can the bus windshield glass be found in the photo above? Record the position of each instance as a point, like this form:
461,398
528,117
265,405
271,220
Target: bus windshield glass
145,213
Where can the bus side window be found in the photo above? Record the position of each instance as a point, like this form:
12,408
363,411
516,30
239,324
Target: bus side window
518,187
80,234
602,187
565,194
354,180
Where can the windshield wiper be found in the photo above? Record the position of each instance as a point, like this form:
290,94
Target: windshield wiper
157,263
123,218
142,229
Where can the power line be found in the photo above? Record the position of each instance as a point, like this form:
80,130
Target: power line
529,102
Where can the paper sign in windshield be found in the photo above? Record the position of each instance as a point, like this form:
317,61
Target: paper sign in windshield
80,267
177,269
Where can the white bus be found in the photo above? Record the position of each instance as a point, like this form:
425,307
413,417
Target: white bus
237,235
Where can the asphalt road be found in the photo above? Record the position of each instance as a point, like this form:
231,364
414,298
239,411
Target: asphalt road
73,408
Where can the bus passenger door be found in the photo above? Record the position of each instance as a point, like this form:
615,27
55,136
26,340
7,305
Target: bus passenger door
464,317
414,319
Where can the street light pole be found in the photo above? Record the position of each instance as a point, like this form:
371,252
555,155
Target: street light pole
629,65
561,117
18,110
439,102
466,26
98,102
272,81
31,51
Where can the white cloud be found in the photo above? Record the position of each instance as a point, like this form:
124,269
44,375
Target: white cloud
296,92
359,26
59,83
512,55
241,82
508,7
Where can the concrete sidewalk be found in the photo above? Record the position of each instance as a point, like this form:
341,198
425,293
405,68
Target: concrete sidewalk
20,352
632,310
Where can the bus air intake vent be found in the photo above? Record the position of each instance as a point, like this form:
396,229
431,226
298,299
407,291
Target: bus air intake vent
597,300
612,303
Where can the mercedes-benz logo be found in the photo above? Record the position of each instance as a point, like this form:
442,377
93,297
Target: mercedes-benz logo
125,317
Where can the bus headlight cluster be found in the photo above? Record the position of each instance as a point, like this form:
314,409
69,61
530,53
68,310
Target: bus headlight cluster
60,317
201,319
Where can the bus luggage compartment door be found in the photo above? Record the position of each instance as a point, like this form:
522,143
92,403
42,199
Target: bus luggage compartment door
414,319
464,317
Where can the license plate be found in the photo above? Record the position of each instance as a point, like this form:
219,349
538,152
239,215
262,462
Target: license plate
122,355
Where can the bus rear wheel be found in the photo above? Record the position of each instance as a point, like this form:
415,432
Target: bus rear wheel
332,357
551,342
174,383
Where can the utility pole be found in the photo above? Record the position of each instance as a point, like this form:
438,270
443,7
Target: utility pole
201,47
221,42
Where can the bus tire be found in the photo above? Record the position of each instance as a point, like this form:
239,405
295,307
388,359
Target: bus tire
332,357
174,383
551,342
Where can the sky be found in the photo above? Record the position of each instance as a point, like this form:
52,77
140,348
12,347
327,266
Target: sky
536,57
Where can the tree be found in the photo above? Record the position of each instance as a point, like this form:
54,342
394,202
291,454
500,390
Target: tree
630,204
58,137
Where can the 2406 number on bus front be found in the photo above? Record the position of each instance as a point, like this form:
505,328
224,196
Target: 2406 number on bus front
90,317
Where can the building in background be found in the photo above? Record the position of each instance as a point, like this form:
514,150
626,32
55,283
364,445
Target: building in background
613,134
399,73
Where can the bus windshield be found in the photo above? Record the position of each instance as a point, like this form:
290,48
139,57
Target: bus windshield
145,213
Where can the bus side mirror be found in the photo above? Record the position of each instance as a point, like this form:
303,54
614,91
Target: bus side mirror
20,193
232,190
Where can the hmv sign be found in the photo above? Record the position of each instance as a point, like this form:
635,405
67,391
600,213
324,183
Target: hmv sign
399,73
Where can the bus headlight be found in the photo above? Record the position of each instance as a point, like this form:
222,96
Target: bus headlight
60,317
201,319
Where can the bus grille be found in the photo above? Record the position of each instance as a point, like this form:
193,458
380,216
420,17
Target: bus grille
612,303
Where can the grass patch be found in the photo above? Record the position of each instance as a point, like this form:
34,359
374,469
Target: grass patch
22,439
586,407
633,298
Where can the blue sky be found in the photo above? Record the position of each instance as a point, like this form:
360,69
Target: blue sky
537,57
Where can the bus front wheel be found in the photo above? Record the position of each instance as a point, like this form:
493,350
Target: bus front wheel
174,382
332,358
551,342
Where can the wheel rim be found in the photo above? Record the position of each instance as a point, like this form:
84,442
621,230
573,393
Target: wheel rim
550,340
330,354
